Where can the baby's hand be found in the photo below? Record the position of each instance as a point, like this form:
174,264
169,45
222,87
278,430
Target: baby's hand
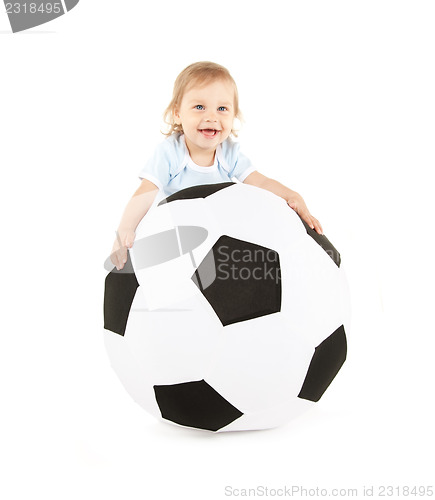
124,240
297,203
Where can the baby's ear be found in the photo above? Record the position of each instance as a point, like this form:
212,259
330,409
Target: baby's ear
176,116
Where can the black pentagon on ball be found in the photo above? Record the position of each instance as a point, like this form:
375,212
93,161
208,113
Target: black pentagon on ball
195,404
201,191
119,291
326,362
247,281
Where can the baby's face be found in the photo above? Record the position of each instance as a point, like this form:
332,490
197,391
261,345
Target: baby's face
207,114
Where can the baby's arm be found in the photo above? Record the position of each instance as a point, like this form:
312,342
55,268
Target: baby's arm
293,199
134,212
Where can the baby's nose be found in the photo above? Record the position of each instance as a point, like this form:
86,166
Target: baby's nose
210,116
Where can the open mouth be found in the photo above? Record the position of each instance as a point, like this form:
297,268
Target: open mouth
209,132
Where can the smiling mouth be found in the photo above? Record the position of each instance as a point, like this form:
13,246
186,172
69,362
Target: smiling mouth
209,132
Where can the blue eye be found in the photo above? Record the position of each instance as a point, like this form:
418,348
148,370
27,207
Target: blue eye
223,108
198,106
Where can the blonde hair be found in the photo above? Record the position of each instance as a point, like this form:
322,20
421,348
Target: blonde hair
198,73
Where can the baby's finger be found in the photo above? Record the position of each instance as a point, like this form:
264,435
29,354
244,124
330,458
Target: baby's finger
119,264
122,256
114,259
317,225
117,259
307,218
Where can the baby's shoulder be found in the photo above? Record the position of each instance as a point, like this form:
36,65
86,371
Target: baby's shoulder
170,148
230,150
170,143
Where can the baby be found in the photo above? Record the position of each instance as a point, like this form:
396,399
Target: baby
198,150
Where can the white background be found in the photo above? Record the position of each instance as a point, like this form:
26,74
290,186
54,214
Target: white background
338,99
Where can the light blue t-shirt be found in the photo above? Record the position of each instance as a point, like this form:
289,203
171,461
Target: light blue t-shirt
171,168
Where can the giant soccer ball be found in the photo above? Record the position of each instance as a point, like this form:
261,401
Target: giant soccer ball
230,313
